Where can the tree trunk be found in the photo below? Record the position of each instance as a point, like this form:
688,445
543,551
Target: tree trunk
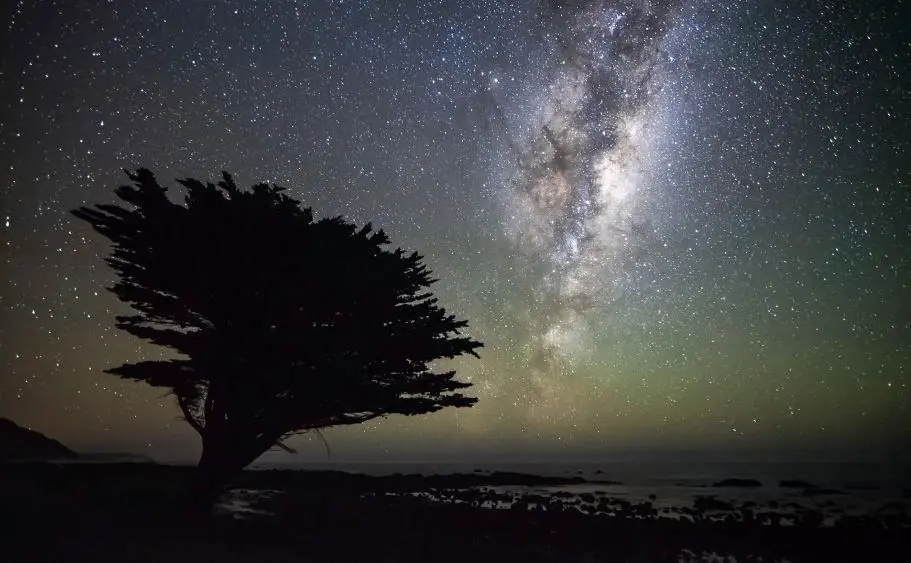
221,459
224,453
209,478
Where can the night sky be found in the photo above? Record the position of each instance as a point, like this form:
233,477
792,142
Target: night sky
673,224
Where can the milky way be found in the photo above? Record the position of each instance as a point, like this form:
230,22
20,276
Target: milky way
671,223
575,199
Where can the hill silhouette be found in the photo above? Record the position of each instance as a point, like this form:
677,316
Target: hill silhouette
18,443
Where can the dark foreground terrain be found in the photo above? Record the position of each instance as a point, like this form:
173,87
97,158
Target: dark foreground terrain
131,512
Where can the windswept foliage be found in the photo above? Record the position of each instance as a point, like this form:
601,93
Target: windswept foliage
283,324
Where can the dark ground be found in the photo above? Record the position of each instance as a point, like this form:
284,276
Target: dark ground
124,512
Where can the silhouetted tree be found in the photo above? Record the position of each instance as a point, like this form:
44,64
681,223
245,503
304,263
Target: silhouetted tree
284,324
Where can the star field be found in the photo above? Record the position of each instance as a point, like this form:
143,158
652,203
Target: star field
672,223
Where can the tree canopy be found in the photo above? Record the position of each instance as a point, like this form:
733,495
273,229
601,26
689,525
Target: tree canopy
283,323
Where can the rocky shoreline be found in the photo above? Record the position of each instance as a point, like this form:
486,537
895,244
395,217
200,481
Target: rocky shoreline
412,518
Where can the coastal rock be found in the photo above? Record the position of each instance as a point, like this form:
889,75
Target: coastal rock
738,483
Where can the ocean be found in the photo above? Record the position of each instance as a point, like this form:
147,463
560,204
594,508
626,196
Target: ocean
853,475
852,487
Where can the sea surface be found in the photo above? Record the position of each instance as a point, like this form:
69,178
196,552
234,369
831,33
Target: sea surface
857,488
857,475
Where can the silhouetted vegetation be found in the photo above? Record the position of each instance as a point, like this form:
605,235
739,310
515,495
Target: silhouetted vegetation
284,324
